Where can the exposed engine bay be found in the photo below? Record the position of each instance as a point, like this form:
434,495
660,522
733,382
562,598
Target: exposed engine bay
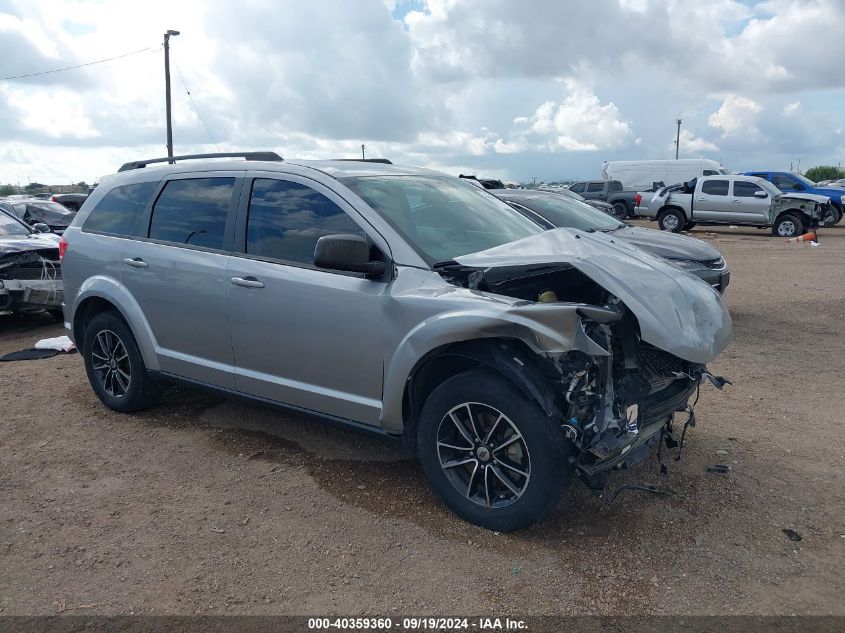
30,280
615,403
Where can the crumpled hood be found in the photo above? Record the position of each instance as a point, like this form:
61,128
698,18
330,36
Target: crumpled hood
676,311
666,244
15,244
808,196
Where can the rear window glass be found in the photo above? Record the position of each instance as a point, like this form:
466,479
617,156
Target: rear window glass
715,187
120,209
193,212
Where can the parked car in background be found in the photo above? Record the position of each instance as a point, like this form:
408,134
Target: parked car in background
609,191
744,200
643,175
838,183
487,183
395,300
687,253
601,205
30,275
796,183
33,211
72,201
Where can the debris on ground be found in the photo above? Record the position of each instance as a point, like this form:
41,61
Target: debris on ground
720,469
792,535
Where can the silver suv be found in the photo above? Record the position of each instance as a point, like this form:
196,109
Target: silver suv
396,300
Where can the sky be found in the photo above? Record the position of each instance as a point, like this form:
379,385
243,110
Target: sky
513,90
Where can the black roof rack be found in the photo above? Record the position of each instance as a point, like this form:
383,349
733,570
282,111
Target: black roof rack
140,164
383,161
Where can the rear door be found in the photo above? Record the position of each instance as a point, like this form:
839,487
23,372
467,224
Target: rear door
176,271
303,336
711,202
595,190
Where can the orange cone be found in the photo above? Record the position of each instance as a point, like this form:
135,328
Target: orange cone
807,237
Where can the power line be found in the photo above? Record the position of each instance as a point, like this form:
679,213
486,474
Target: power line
194,106
58,70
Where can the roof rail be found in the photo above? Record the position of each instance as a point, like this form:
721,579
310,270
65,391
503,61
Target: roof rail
140,164
383,161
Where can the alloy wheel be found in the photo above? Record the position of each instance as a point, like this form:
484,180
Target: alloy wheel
670,222
483,455
110,362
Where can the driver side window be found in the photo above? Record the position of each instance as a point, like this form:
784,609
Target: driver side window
287,218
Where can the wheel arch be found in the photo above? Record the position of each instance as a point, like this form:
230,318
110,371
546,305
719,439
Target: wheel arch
102,294
510,358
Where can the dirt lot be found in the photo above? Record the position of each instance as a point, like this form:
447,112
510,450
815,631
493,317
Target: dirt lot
204,505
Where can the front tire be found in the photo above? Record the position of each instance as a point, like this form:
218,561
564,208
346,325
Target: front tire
491,453
671,220
788,225
114,365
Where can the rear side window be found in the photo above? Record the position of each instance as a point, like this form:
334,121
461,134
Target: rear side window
120,209
715,187
193,212
744,189
595,187
286,219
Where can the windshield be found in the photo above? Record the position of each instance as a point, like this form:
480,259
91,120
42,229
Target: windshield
765,184
805,180
565,212
442,218
10,226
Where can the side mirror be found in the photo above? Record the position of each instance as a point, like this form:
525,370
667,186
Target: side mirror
347,252
761,194
40,227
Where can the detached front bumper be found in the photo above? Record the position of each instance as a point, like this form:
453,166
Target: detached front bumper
21,295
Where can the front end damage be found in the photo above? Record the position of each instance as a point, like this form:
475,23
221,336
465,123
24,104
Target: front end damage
618,389
30,280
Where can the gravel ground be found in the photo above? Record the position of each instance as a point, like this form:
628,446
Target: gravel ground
205,505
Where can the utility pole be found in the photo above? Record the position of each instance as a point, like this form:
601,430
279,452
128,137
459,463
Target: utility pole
167,36
362,152
678,140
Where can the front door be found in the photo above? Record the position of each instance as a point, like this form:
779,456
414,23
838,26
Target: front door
176,272
303,336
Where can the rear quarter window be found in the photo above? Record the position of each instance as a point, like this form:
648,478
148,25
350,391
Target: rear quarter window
120,209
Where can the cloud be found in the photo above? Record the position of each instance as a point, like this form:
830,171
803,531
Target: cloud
737,115
692,144
441,83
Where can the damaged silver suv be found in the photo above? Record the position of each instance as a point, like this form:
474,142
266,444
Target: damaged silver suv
396,300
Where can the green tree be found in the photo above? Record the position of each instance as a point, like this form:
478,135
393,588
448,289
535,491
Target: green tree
824,172
34,186
6,190
82,184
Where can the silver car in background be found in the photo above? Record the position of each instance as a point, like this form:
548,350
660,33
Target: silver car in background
396,300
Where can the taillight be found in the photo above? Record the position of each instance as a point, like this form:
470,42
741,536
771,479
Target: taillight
637,199
62,248
52,198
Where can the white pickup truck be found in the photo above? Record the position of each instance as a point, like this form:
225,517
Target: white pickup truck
729,199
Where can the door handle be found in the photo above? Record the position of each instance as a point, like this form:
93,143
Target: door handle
247,282
737,201
135,262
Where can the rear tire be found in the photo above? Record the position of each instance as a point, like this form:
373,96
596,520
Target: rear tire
620,210
788,225
114,365
491,453
671,220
